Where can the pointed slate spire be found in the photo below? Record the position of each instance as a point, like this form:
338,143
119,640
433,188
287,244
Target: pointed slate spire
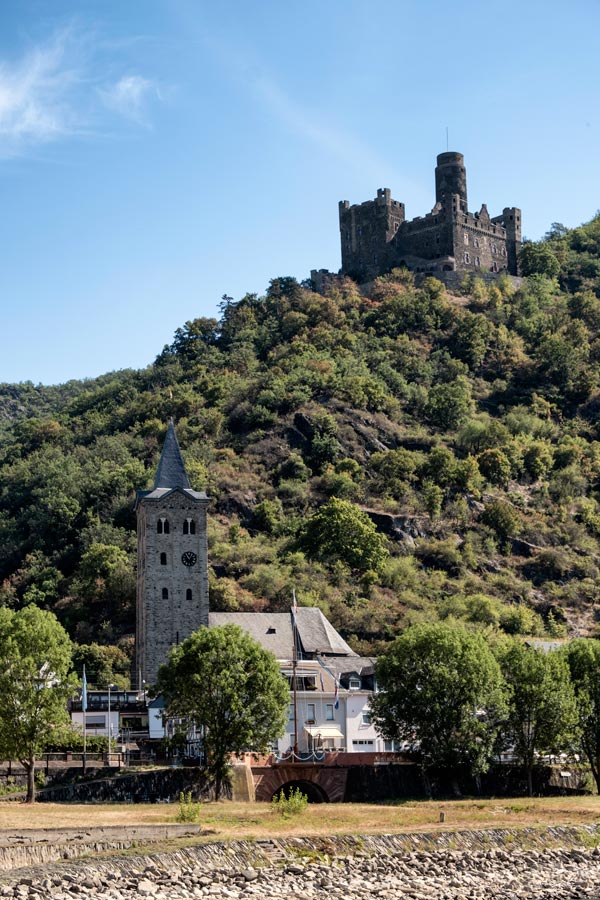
171,468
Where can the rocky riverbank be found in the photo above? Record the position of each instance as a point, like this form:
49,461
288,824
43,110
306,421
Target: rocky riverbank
375,869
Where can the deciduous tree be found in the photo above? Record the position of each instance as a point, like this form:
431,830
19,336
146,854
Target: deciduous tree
226,684
542,714
35,658
441,688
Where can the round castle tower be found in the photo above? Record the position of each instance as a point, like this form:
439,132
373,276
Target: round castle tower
451,178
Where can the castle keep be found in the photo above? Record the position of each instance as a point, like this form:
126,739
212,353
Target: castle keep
376,237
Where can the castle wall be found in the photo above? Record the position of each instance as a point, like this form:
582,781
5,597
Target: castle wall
376,237
366,231
165,621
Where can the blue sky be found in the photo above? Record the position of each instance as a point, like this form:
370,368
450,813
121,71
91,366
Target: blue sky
157,154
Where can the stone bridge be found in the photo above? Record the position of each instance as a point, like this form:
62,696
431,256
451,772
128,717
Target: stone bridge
321,784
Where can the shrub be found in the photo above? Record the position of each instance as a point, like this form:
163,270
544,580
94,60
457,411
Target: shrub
289,805
189,809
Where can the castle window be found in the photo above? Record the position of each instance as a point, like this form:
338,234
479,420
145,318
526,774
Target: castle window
494,249
467,258
503,251
476,242
165,594
163,559
188,595
494,267
396,226
477,261
466,237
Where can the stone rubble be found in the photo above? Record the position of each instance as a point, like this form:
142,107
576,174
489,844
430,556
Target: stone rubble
493,874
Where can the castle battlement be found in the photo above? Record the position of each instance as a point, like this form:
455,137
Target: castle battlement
376,237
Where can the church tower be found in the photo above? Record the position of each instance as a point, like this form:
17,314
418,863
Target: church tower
172,575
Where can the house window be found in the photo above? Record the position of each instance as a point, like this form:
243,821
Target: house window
310,712
95,721
188,595
366,718
329,715
363,744
392,746
354,684
163,559
165,594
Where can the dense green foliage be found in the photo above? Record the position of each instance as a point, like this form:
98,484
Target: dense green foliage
221,680
442,691
464,426
583,658
542,714
35,661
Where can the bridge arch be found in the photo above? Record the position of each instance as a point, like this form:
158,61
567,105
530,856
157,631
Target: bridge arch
313,791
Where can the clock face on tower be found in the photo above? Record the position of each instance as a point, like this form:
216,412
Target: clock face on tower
188,558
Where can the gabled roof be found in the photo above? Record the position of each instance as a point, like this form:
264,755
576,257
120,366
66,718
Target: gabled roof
318,634
274,632
171,474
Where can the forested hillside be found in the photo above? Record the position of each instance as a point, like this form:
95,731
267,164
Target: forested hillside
396,456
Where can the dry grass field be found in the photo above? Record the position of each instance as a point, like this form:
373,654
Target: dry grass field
225,820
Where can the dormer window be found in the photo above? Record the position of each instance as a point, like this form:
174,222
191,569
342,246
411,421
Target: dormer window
354,683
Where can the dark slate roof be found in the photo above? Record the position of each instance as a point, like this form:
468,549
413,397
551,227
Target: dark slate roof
318,634
340,665
171,474
274,632
171,471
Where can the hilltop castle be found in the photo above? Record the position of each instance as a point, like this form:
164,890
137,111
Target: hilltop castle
376,237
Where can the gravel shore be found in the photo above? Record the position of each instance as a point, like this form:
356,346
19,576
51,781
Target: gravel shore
552,874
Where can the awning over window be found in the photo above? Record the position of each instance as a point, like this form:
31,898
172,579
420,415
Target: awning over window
323,731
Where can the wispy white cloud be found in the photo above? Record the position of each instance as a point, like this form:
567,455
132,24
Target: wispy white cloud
51,92
129,96
35,96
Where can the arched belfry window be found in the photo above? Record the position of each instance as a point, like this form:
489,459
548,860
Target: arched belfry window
166,526
189,526
163,559
162,526
159,526
192,527
165,594
188,595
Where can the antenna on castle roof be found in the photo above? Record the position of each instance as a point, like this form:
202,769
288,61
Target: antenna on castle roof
447,145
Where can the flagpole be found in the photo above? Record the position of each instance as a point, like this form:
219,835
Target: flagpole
294,679
84,710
